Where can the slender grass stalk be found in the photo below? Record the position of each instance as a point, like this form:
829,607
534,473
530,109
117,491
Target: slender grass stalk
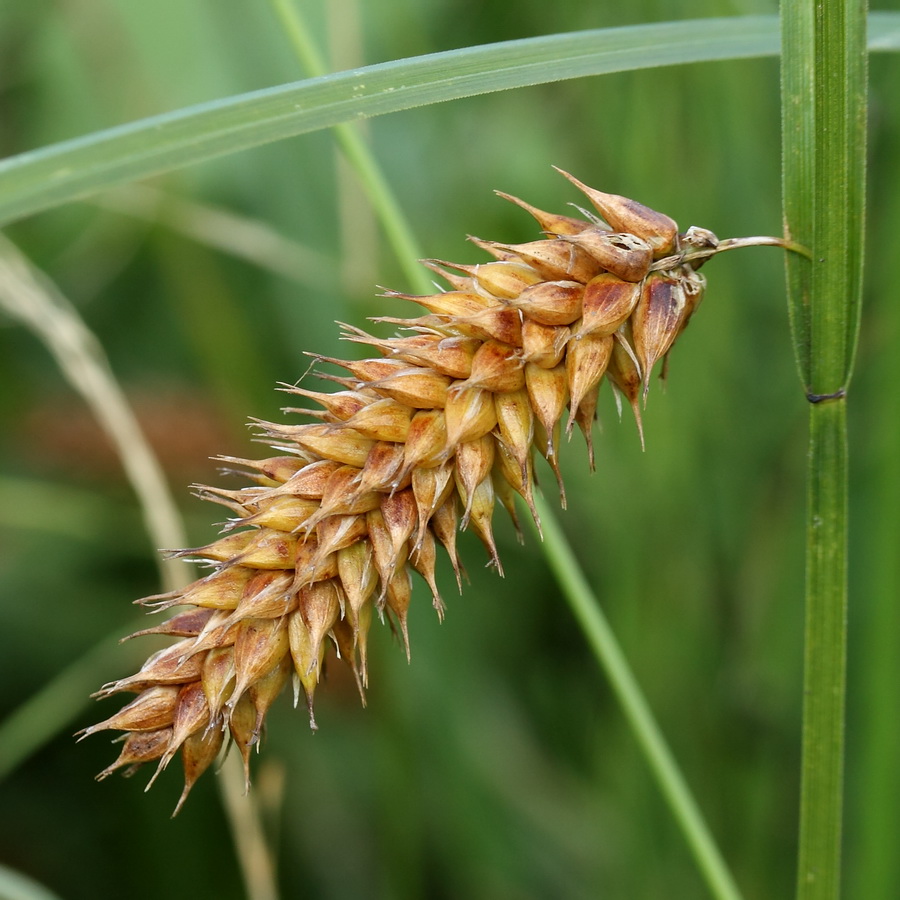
242,811
33,299
357,152
824,108
611,659
824,676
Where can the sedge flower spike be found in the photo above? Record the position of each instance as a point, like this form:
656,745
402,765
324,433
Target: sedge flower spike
423,437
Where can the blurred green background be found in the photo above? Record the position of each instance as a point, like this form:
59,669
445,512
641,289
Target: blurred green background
496,765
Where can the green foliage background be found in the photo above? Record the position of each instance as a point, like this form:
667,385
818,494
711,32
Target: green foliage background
496,765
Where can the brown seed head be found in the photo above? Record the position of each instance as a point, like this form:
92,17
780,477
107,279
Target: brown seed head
430,435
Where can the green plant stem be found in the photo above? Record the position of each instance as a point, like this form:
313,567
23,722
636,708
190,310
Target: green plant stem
611,659
824,111
824,674
357,153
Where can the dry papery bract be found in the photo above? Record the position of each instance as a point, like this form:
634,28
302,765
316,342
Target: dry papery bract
423,437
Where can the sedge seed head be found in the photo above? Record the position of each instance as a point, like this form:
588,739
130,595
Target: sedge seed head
431,433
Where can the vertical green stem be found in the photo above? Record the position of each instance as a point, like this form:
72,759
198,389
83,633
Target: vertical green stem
824,106
355,149
819,866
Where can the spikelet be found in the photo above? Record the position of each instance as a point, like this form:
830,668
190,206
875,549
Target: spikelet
425,436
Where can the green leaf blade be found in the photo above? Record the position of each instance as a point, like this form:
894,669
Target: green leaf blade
77,168
71,170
